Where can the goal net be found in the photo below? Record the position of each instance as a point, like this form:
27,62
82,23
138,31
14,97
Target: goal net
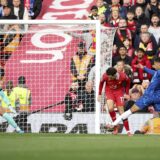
52,73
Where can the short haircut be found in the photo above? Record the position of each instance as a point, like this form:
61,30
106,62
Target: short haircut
81,45
140,50
154,15
21,80
9,85
121,46
111,71
94,7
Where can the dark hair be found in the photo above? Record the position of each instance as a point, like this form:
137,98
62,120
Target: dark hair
154,15
21,80
140,50
156,59
121,46
111,71
81,45
7,6
130,11
138,132
94,7
2,73
9,85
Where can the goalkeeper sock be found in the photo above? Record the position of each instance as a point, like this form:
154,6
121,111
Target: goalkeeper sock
4,97
113,115
10,120
123,116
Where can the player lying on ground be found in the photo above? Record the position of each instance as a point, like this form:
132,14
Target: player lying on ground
5,115
151,126
150,97
115,91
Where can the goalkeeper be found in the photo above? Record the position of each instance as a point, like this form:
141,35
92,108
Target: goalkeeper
5,99
150,96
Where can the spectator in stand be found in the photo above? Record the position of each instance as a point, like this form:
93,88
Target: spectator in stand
7,13
9,44
122,56
101,6
2,4
116,5
138,74
140,17
127,4
80,66
153,7
115,17
143,29
93,13
130,49
103,22
154,28
122,33
122,67
147,45
34,7
19,10
143,5
131,23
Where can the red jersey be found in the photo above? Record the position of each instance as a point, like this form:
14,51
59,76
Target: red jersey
116,84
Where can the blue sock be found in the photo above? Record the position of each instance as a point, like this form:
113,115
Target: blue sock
4,97
10,120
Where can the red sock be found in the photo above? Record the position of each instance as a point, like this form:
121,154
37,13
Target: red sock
113,115
126,124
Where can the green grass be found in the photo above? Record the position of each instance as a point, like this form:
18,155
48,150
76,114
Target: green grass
78,147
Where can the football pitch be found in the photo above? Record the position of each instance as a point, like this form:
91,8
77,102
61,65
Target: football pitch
78,147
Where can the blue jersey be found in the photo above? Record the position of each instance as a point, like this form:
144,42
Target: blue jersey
154,85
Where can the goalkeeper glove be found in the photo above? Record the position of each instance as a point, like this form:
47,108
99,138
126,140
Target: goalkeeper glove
12,109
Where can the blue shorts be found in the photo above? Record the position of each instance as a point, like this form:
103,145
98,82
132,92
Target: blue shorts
148,100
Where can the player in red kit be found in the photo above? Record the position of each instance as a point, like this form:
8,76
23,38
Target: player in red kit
117,84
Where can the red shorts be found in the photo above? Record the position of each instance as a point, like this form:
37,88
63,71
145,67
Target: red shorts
116,96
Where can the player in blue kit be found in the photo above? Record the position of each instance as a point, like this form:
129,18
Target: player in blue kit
151,95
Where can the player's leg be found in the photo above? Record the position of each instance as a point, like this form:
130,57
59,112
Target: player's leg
119,100
125,121
126,114
110,104
10,120
141,103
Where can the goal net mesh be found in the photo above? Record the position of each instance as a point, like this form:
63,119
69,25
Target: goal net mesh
43,65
